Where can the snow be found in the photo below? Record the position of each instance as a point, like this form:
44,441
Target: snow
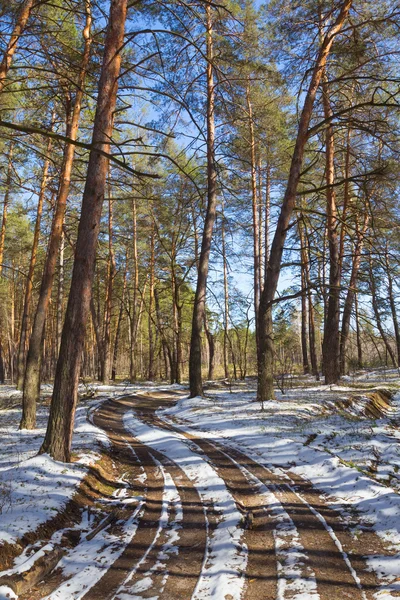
352,460
34,488
302,432
226,555
6,593
170,497
88,562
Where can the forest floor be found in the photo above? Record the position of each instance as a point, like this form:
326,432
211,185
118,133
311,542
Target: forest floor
208,498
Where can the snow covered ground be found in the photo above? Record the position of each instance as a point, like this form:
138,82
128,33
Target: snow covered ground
352,459
311,431
34,488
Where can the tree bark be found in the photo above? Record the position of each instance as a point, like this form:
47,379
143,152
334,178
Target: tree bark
226,299
195,376
151,372
62,411
29,281
311,320
5,204
358,334
111,268
211,348
19,27
265,389
60,291
33,363
392,303
304,312
377,315
351,293
255,212
330,346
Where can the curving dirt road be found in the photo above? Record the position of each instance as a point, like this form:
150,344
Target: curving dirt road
240,531
331,565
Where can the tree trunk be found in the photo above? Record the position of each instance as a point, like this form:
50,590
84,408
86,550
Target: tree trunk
266,348
226,300
33,363
5,205
211,349
60,291
304,312
255,213
267,218
32,264
377,315
151,372
330,346
62,411
358,334
311,321
19,27
106,367
118,330
195,376
351,292
164,342
392,303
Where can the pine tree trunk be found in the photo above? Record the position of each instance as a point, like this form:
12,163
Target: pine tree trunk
106,367
29,281
33,363
195,376
164,342
5,205
330,346
392,303
267,218
311,321
226,300
265,389
358,334
304,312
151,372
351,293
255,212
60,291
211,349
118,329
19,27
377,315
62,411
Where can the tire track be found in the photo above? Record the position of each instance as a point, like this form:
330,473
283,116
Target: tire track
334,572
185,566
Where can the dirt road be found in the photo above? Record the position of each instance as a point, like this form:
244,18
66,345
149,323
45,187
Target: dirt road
285,542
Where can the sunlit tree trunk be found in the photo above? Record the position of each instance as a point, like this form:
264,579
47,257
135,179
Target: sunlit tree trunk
195,376
29,279
62,411
265,390
19,27
351,293
304,312
5,204
118,330
330,346
31,390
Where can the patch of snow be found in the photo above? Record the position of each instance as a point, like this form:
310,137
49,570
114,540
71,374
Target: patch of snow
85,564
226,556
7,593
